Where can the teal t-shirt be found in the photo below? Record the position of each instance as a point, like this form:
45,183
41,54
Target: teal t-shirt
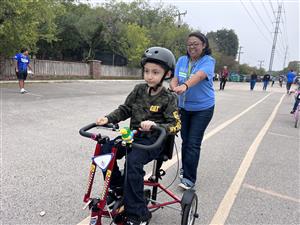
202,95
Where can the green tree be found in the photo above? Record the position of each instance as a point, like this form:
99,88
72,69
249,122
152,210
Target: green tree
24,22
226,40
134,45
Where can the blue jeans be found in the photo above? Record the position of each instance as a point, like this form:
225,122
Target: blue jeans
193,127
252,84
266,82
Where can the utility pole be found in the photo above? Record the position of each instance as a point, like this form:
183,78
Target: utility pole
239,53
260,63
179,14
286,50
275,37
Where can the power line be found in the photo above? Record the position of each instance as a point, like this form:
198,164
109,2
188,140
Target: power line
270,2
285,24
254,22
261,19
267,12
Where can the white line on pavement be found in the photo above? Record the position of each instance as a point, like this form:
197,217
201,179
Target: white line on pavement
174,160
29,93
283,135
269,192
229,198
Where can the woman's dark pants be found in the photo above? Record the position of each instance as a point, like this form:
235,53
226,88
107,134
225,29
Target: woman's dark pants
193,127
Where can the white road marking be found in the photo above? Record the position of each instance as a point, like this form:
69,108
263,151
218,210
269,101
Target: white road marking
283,135
229,198
29,93
174,160
269,192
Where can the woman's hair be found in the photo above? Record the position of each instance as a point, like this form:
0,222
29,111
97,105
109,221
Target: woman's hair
24,50
203,38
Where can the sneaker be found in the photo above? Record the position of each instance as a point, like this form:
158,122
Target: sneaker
23,91
185,185
292,112
133,220
181,173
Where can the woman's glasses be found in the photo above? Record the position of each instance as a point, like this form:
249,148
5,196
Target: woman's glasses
193,45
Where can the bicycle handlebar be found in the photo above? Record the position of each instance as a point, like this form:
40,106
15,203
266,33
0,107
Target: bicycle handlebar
83,132
158,141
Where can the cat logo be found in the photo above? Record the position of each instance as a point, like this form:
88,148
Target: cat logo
154,108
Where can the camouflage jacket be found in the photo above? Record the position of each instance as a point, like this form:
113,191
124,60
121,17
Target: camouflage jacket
139,106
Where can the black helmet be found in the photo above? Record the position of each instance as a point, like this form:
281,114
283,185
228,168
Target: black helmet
160,55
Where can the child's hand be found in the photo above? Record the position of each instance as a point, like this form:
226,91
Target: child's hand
102,121
146,125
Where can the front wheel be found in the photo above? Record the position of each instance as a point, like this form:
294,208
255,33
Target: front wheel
189,204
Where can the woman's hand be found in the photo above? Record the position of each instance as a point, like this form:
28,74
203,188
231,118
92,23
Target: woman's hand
146,125
102,121
180,89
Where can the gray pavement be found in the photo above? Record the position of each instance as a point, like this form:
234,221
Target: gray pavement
45,162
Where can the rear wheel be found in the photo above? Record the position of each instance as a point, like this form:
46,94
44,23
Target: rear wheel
189,205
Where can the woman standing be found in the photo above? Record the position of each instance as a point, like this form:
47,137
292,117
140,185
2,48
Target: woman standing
193,82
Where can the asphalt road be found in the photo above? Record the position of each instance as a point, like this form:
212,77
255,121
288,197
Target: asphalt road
248,172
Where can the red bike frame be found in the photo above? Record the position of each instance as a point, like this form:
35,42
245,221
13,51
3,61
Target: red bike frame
99,211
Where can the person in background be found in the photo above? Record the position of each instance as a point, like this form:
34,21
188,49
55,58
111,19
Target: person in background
266,80
273,80
21,64
224,77
280,80
193,82
289,80
253,80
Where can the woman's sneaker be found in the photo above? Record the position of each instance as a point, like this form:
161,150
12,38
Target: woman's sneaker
181,173
186,185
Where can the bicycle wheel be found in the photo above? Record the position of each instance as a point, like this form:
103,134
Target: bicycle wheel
189,204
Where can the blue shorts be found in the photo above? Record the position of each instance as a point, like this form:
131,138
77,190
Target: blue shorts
21,75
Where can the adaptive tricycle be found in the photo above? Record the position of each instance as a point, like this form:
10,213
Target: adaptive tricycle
115,210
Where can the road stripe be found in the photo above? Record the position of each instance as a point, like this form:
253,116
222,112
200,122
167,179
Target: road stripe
229,198
171,162
29,93
283,135
174,159
269,192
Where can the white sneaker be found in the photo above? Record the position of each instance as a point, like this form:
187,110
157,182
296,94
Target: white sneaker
23,91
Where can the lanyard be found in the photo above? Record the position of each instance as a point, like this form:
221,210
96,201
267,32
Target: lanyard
190,68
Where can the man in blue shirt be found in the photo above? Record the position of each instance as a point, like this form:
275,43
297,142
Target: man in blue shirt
289,80
21,64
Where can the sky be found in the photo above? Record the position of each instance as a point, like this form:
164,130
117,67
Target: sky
254,23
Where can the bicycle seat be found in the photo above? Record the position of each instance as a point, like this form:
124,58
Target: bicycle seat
167,152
